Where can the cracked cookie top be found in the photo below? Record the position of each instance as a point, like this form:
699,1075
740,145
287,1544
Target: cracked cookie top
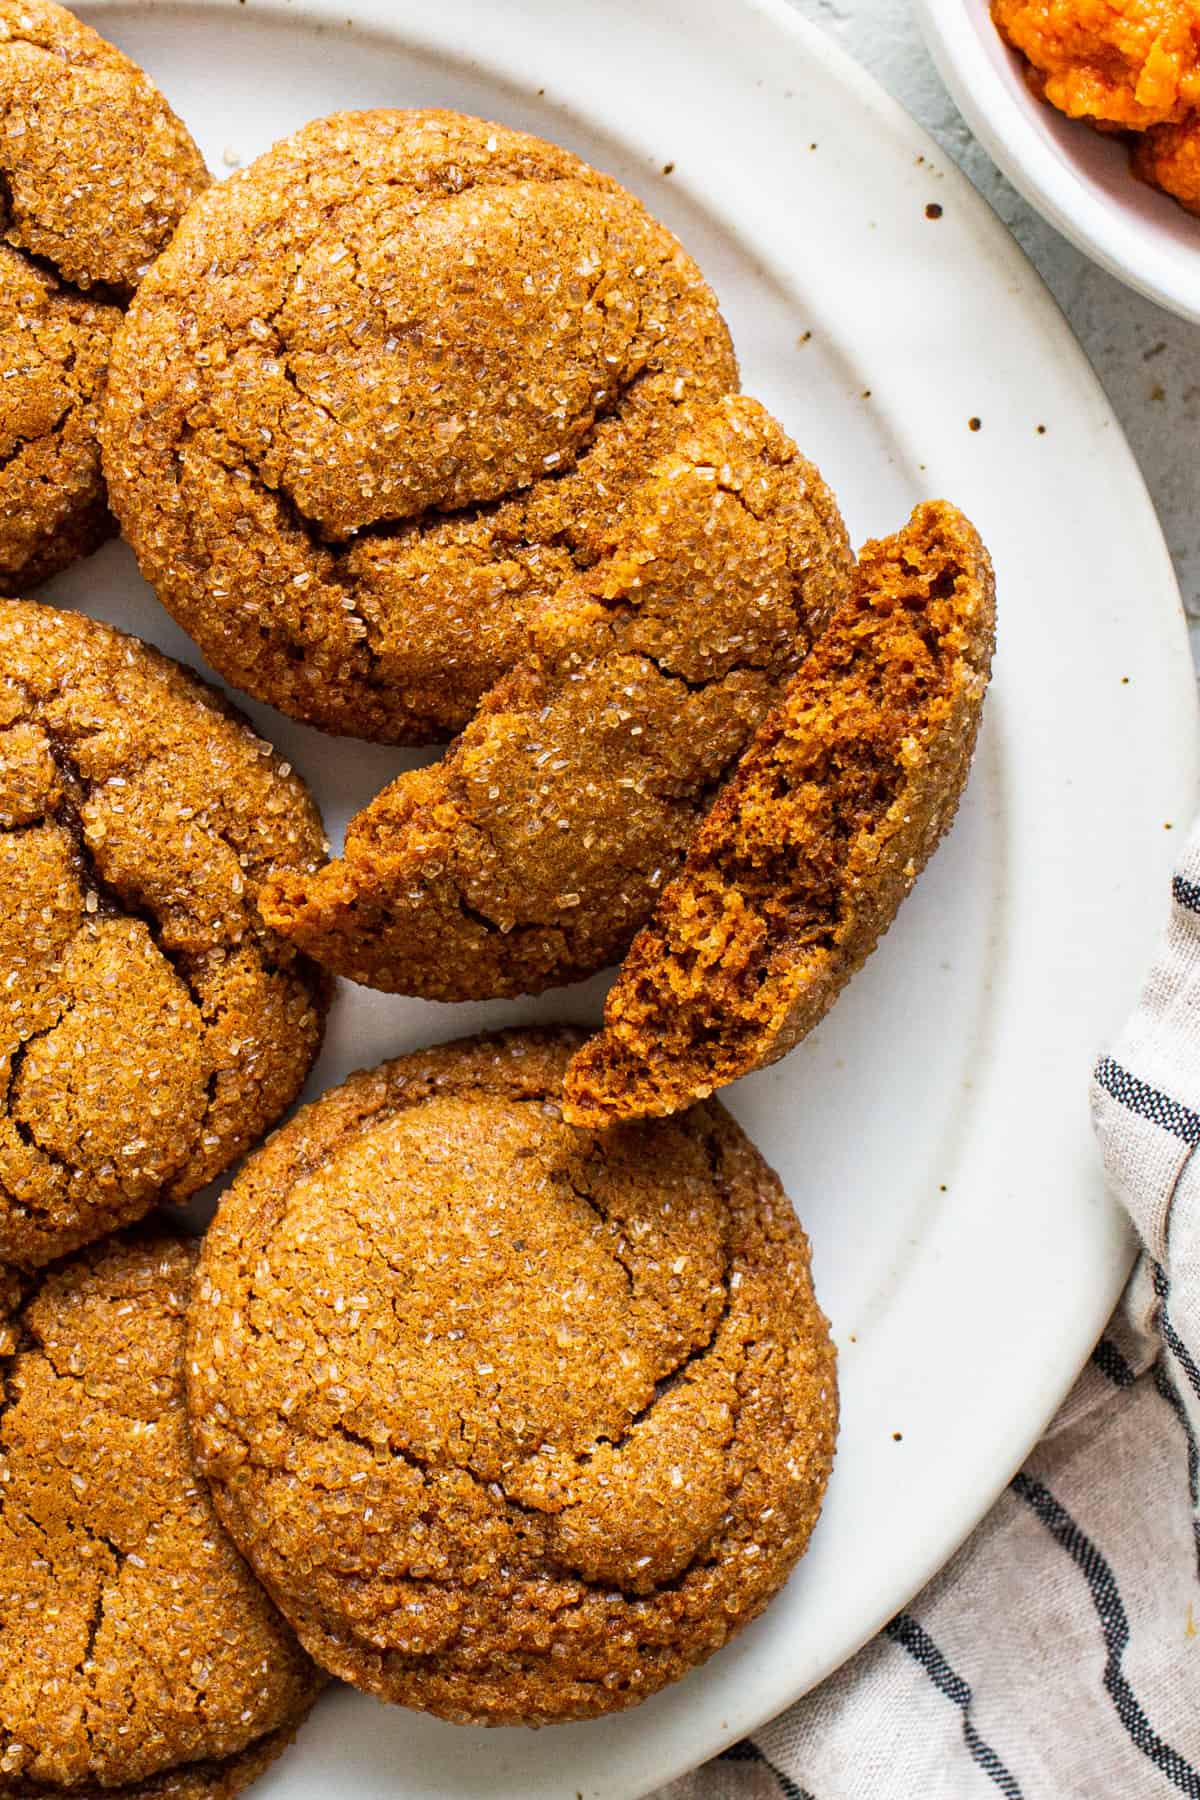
387,387
133,1638
54,345
813,844
535,849
151,1027
517,1422
95,173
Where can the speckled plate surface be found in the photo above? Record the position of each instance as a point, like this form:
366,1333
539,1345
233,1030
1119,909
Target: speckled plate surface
1077,178
934,1132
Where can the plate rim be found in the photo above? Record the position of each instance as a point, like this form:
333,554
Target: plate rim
1050,184
378,17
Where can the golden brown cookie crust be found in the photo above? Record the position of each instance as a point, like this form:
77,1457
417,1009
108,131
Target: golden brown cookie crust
517,1423
55,345
151,1028
196,1781
804,859
133,1638
385,390
532,853
96,171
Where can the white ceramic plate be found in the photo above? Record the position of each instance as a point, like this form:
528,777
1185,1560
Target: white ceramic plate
1078,179
934,1133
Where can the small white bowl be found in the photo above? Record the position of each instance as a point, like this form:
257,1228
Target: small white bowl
1080,180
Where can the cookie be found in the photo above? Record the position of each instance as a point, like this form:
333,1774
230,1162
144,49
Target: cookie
151,1027
517,1423
95,173
802,863
385,391
532,853
138,1655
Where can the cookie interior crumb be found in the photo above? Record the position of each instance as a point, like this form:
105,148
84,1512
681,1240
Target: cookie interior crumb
95,172
386,389
809,850
531,854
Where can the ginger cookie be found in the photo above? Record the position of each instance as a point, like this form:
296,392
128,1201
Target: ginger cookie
802,863
387,389
517,1423
138,1655
95,173
532,853
151,1027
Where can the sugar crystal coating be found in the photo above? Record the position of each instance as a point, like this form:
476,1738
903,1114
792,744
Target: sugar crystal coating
809,850
387,388
536,848
95,172
151,1027
517,1423
133,1638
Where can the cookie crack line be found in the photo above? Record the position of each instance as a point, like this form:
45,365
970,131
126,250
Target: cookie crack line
613,400
100,293
392,1104
22,1127
110,903
546,1568
197,971
309,529
31,1342
614,1250
613,396
337,549
699,804
392,1449
52,434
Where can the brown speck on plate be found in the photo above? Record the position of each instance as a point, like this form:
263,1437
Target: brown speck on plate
974,424
933,210
668,168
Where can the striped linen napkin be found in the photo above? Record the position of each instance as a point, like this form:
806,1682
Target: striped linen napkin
1057,1655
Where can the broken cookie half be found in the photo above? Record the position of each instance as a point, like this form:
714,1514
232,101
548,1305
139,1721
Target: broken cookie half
532,853
804,859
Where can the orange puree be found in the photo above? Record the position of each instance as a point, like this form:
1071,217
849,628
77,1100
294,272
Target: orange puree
1125,65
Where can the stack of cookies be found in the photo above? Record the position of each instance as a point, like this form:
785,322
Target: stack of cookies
497,1386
